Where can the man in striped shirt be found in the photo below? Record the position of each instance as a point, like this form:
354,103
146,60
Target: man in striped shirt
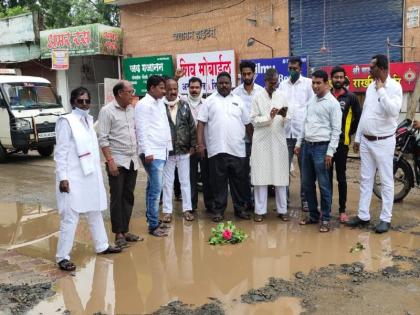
117,139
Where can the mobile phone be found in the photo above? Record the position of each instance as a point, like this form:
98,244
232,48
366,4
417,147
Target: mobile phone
282,109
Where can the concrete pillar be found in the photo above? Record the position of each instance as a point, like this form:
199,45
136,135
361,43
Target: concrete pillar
63,88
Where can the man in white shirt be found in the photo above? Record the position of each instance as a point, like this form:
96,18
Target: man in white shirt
269,158
154,142
246,91
375,137
320,136
80,187
117,139
298,91
226,117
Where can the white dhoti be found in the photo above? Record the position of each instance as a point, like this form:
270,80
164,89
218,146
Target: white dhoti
68,224
182,162
260,199
376,155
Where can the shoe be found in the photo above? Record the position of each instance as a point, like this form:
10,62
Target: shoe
382,227
357,222
343,217
305,206
129,237
111,250
243,215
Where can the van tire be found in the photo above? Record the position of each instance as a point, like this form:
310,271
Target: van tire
46,151
3,154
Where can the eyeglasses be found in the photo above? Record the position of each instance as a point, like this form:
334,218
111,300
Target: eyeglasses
81,101
131,92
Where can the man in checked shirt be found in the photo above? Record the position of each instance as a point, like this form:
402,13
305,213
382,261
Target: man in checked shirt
117,139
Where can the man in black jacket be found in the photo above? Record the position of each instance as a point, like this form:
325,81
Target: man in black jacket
351,114
183,134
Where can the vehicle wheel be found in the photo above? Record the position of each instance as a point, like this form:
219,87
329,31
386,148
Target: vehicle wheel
46,151
403,181
3,154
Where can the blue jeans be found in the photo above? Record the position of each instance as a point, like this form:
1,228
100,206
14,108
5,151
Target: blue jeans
154,172
313,165
291,143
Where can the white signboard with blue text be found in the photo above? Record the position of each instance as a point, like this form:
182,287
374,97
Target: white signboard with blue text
280,64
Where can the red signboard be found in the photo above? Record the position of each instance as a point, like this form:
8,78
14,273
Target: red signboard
406,73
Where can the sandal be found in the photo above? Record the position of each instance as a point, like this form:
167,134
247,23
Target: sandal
324,227
284,217
167,218
159,232
66,265
258,218
218,218
188,215
308,221
132,237
121,242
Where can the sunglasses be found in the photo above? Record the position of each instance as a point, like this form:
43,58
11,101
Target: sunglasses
81,101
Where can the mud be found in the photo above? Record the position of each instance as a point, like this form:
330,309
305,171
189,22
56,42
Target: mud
178,308
308,271
345,278
17,299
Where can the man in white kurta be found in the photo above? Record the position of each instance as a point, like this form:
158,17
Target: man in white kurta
80,187
269,155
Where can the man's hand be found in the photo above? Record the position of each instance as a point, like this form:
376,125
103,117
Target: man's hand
273,112
112,168
356,147
379,84
328,161
283,111
179,73
416,124
64,186
297,151
200,151
148,159
192,151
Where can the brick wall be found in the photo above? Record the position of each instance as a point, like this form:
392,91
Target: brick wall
148,30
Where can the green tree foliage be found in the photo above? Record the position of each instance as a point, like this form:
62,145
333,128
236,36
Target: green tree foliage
64,13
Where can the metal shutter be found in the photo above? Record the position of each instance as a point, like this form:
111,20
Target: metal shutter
355,30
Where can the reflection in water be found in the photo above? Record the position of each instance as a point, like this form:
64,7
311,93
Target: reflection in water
184,267
21,224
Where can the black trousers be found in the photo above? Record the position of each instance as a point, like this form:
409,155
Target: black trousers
177,184
340,161
224,169
249,196
122,198
207,191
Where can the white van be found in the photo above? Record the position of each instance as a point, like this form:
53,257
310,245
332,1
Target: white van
29,108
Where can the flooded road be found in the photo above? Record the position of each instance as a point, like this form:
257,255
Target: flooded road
308,271
184,267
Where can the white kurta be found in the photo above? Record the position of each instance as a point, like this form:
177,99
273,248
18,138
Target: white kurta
269,155
87,193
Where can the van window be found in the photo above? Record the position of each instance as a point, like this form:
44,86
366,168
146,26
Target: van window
30,95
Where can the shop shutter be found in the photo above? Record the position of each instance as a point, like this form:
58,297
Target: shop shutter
354,30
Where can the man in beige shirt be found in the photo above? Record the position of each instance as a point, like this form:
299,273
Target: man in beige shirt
117,139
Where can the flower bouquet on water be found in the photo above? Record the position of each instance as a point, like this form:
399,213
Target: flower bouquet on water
227,233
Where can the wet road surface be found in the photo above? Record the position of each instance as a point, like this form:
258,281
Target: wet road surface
184,267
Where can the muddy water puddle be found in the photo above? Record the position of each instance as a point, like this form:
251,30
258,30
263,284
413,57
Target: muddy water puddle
22,224
183,267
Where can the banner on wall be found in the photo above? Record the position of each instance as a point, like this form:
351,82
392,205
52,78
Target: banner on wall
206,66
280,64
137,70
406,73
59,59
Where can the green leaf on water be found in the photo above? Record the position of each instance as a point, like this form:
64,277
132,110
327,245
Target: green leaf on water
357,248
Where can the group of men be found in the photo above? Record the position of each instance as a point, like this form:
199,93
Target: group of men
241,140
